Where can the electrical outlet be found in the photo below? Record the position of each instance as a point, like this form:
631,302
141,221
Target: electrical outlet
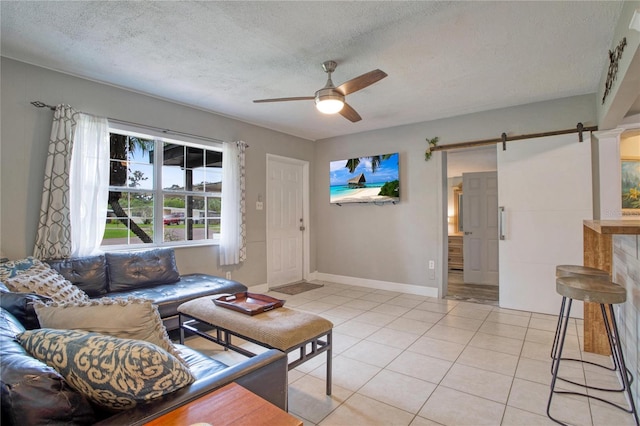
259,205
228,275
432,264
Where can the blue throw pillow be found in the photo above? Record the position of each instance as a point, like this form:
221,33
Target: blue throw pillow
114,373
11,268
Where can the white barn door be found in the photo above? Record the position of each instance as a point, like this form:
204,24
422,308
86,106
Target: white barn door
545,187
286,220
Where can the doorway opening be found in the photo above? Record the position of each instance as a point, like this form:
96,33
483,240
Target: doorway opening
468,213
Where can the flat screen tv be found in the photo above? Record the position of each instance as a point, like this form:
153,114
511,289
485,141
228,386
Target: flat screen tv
373,179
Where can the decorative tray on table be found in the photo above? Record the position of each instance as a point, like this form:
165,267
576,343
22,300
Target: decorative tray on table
248,303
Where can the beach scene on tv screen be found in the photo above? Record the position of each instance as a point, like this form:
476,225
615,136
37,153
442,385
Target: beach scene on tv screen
373,179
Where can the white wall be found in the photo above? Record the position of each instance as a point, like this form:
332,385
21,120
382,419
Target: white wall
25,134
630,146
393,243
625,88
388,244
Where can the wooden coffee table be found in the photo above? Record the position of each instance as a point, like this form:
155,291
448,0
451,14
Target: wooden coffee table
229,405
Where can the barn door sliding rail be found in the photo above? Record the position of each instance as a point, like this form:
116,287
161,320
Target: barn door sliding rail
504,138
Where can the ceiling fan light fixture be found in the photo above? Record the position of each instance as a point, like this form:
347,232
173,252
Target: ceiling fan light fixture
329,106
329,102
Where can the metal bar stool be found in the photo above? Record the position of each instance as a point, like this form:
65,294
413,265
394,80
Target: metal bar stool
577,271
606,293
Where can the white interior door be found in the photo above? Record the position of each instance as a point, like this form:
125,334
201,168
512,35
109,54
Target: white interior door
480,227
285,221
544,185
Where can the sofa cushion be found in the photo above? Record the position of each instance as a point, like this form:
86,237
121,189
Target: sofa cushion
200,365
113,373
11,268
45,281
89,273
168,297
20,305
131,270
131,318
31,392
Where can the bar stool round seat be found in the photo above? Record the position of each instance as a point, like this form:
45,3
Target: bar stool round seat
589,289
573,270
576,271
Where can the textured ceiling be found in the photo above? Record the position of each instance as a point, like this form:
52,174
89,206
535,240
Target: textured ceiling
443,58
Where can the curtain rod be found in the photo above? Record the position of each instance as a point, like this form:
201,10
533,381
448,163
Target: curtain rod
39,104
504,138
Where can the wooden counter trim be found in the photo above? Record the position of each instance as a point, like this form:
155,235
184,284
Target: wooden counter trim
598,253
598,249
622,227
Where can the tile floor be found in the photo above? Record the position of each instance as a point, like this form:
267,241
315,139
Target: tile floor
401,359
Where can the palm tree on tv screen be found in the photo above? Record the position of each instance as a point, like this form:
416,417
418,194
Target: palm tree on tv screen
353,163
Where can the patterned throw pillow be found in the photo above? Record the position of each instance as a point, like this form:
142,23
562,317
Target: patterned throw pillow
111,372
46,281
126,318
11,268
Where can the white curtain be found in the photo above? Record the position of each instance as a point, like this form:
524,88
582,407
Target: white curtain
89,184
232,218
76,186
53,240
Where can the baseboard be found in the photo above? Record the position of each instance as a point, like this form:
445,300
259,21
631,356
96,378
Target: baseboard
260,288
312,276
378,285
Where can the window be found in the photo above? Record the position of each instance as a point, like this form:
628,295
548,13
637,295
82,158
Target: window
162,192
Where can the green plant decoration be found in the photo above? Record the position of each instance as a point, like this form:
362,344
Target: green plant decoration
431,143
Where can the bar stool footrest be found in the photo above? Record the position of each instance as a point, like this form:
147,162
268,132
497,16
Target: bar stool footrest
595,364
626,410
589,386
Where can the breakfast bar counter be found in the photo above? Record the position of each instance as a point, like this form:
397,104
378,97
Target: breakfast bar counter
612,246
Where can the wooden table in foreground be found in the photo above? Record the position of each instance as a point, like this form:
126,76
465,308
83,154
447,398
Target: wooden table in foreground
229,405
598,253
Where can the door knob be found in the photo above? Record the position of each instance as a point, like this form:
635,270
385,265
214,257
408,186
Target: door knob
468,233
302,228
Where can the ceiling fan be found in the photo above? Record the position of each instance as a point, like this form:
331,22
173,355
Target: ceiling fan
330,99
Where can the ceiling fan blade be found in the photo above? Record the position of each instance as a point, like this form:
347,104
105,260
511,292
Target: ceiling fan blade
301,98
361,82
350,113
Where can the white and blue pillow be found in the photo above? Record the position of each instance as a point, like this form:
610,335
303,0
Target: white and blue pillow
114,373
